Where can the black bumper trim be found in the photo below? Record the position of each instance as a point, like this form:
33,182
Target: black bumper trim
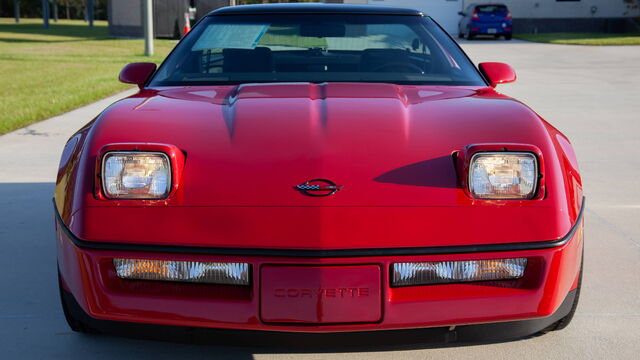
439,250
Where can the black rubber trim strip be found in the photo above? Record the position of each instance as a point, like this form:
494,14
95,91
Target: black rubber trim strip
319,9
463,249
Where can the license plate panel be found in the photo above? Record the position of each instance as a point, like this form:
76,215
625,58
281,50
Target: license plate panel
320,294
492,31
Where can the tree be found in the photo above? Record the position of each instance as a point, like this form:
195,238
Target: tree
632,5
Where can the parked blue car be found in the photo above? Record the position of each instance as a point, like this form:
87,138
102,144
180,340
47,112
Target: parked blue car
485,19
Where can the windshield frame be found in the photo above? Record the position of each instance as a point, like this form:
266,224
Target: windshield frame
462,55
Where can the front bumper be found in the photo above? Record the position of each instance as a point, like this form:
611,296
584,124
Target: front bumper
497,28
88,275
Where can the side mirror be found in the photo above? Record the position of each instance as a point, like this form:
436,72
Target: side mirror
137,73
497,73
461,13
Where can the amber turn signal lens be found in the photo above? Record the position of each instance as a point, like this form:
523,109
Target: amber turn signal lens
425,273
183,271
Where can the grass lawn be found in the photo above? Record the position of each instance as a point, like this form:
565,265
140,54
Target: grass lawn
287,36
582,38
47,72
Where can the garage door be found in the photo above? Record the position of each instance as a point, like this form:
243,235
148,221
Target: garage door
445,12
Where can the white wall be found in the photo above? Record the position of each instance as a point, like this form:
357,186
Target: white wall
522,8
537,9
445,12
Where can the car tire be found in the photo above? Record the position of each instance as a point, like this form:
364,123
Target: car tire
461,35
507,37
565,321
74,323
469,36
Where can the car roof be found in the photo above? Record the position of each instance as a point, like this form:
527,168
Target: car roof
313,8
488,4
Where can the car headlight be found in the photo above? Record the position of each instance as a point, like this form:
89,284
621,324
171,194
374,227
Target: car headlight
136,175
503,175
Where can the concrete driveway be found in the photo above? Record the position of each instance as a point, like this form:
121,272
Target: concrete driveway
590,93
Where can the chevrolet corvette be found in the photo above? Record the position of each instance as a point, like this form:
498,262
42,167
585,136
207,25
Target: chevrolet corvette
317,168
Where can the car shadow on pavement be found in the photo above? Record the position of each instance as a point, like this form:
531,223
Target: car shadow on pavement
32,324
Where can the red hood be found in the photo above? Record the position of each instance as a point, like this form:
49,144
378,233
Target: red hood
389,146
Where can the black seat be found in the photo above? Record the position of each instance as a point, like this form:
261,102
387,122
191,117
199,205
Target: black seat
247,60
373,59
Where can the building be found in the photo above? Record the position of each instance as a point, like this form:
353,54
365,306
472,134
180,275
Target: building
530,16
613,16
125,16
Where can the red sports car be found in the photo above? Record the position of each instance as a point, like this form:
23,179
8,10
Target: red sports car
320,168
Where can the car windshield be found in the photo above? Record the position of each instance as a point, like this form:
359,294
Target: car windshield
234,49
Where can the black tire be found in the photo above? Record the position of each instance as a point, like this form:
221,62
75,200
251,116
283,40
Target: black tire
507,37
74,323
461,35
469,36
565,321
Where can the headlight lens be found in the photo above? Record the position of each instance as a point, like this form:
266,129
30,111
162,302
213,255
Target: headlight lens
502,175
136,175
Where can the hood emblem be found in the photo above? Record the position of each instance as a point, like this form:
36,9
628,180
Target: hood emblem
319,187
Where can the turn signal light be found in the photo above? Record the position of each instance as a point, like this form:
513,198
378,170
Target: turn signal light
442,272
183,271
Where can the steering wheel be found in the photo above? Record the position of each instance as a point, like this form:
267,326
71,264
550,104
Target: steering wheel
409,66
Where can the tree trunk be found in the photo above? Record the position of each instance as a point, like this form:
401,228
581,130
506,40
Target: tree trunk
55,11
66,7
90,9
45,13
16,10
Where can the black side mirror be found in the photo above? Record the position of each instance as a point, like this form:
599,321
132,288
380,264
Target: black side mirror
461,13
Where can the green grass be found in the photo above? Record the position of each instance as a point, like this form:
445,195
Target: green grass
288,36
48,72
582,38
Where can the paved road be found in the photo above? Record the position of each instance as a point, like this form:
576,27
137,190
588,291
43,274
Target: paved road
590,93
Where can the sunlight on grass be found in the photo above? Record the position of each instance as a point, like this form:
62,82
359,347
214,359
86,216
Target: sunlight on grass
582,38
48,72
288,36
